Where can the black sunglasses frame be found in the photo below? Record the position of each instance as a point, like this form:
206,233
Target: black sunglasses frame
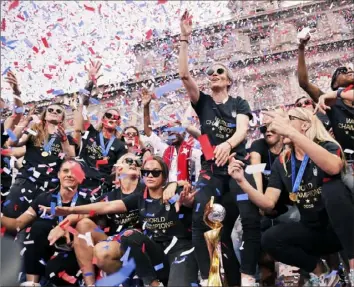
305,103
155,173
111,116
219,71
130,161
58,111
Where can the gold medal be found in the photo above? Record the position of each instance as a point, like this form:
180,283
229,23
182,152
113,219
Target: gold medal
293,196
45,153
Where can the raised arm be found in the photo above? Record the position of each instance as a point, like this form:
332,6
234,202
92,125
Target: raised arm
312,90
12,121
19,223
116,206
146,100
188,82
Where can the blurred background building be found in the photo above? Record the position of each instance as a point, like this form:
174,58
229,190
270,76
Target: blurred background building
259,44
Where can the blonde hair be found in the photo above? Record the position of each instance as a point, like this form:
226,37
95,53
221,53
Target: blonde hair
121,160
228,73
41,130
99,126
316,132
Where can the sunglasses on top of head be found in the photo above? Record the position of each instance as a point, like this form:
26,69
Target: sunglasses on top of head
131,161
211,71
58,111
303,104
112,117
154,173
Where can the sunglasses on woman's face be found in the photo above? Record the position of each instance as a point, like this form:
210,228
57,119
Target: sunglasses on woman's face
131,134
303,104
112,117
58,111
211,72
131,161
154,173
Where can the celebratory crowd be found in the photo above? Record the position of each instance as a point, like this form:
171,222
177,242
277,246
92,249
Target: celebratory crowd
127,208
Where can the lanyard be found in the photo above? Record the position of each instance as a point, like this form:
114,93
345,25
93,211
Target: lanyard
109,144
73,203
296,182
48,145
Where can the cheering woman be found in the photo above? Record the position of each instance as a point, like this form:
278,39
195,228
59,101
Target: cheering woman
224,120
310,173
164,251
46,146
99,148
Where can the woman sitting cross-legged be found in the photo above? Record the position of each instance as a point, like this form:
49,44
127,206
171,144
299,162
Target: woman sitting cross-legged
310,173
163,251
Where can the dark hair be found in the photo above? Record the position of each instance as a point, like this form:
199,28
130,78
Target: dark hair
72,160
163,165
335,75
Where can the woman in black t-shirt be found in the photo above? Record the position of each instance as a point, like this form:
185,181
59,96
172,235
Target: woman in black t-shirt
309,173
163,251
224,123
99,148
111,225
46,146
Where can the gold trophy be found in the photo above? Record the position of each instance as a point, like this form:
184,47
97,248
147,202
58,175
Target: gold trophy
214,214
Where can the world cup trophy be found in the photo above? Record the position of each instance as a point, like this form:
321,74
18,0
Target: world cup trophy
214,214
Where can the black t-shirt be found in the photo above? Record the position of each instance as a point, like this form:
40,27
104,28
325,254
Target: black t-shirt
121,221
309,201
51,198
91,152
325,120
260,146
158,221
40,169
342,120
218,121
6,177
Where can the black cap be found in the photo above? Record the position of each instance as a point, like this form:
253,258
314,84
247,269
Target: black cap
336,73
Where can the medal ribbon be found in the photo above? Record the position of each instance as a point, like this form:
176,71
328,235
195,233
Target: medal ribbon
59,203
109,144
48,145
296,182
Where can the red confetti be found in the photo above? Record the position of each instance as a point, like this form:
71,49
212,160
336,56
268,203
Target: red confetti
206,176
143,248
71,230
68,278
106,229
91,50
92,213
68,62
89,8
14,4
101,162
45,43
3,229
78,172
5,151
50,91
148,34
49,76
207,148
3,24
34,48
350,87
21,17
161,1
95,190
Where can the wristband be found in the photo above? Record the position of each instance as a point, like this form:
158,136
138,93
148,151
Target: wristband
184,41
339,92
64,139
230,145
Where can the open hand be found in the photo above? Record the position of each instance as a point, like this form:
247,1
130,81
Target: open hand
321,105
12,80
186,24
235,169
222,153
93,70
279,124
56,233
185,198
145,97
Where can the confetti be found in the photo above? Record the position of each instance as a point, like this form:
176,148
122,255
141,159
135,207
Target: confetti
158,267
207,148
170,246
242,197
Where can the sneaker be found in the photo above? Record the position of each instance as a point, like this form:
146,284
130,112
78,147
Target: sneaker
30,284
333,278
351,277
203,282
316,281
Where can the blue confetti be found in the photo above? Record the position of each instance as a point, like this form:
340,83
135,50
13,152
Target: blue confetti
169,87
267,172
126,255
119,277
84,91
174,198
94,101
58,92
94,118
158,267
197,208
176,129
6,71
88,274
180,216
7,202
11,135
26,15
28,43
149,214
242,197
52,208
97,229
218,192
19,110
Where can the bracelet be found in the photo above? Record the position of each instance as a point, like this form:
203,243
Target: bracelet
339,92
64,139
230,145
184,41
